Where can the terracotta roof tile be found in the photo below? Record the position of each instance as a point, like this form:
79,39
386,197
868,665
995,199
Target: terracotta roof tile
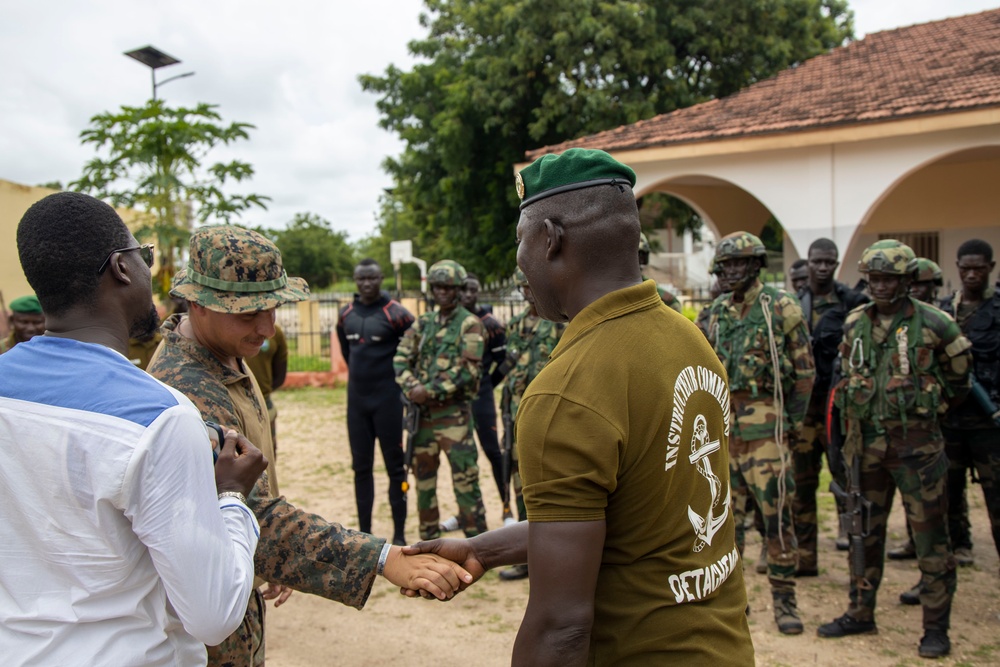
933,68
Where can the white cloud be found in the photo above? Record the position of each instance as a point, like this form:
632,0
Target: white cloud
289,68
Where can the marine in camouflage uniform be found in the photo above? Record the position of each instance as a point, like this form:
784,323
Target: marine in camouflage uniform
296,549
667,297
752,329
902,362
437,366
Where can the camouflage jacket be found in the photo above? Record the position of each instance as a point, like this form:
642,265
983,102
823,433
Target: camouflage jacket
739,334
906,368
443,355
296,548
530,341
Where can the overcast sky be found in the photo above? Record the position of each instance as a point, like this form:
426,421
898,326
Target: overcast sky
289,68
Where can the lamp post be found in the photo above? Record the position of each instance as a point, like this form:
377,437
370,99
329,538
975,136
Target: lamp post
154,59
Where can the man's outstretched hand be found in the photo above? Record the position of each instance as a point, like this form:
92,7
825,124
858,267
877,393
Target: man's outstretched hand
456,551
426,574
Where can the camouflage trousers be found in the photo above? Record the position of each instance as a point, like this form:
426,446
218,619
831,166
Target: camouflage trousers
755,468
448,428
245,647
915,462
978,449
807,461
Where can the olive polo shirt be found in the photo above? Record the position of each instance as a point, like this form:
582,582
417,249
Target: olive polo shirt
629,423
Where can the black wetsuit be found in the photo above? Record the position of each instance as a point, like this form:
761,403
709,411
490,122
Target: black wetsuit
368,337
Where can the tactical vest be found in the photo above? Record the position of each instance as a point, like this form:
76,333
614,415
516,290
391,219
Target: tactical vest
892,380
434,347
744,348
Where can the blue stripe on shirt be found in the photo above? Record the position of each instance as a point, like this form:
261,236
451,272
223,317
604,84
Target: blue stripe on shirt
66,373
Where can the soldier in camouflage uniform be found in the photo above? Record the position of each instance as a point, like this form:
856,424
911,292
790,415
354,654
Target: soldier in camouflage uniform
530,341
667,297
760,336
923,288
825,303
902,362
437,366
234,281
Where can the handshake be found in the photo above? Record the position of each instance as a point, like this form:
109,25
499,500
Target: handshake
442,568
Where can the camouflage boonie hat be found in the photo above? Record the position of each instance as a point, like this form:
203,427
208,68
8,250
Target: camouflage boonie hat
235,270
740,244
888,256
929,271
644,243
519,278
447,272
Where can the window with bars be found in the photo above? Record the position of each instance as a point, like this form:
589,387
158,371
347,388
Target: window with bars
924,244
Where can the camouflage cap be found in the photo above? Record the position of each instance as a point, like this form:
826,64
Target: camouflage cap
644,244
888,256
740,244
235,270
447,272
574,169
929,271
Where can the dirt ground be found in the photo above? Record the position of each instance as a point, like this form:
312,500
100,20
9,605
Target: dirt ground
478,627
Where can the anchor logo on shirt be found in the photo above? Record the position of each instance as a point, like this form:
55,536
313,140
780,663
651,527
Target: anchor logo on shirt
705,527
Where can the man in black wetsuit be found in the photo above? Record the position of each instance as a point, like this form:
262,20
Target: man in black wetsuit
484,409
369,330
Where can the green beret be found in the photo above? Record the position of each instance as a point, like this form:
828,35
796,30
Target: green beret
26,304
575,169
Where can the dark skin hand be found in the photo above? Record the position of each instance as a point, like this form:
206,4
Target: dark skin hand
239,466
564,559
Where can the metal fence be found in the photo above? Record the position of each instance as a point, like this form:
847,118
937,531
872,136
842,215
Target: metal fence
308,327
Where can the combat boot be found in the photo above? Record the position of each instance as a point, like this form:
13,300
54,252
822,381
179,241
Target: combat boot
786,613
905,551
761,565
934,644
912,596
846,625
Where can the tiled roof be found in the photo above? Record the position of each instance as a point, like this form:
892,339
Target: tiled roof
933,68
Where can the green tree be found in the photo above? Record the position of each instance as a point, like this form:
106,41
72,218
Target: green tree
500,77
311,249
151,159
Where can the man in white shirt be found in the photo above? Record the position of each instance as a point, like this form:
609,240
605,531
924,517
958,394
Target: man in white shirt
121,546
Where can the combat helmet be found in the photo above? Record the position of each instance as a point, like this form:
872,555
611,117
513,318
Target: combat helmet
447,272
740,244
520,279
929,271
644,243
888,256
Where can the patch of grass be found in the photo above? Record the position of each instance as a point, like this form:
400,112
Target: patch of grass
986,650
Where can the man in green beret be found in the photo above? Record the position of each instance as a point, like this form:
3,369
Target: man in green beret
233,283
622,440
26,321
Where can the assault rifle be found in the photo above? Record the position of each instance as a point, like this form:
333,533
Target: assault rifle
982,398
411,424
856,522
507,445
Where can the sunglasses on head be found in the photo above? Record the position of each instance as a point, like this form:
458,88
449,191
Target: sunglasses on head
145,252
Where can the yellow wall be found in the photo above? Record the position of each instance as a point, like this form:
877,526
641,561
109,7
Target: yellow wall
15,199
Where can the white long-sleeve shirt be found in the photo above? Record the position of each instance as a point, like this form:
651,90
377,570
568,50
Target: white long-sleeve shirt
115,549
